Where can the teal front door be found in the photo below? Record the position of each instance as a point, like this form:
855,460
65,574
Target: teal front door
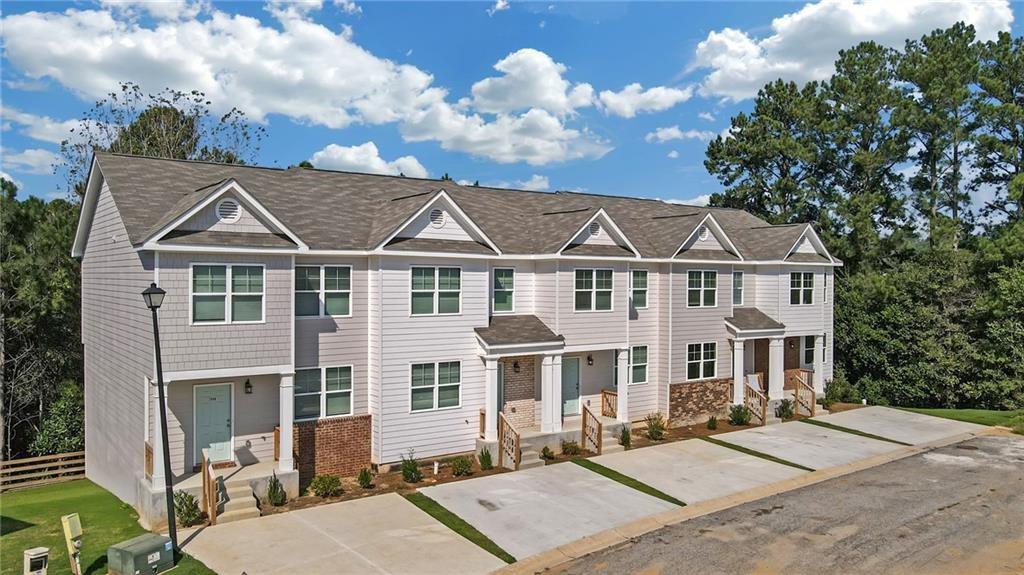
570,386
213,421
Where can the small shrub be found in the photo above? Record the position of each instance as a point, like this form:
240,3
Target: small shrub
655,426
325,486
186,508
739,415
275,491
462,466
485,459
785,409
712,422
411,468
547,454
839,390
571,449
625,438
365,478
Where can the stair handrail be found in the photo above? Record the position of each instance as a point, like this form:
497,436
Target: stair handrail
209,487
508,443
591,433
754,400
802,388
609,402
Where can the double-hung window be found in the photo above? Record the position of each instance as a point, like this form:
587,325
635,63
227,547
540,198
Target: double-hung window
337,290
638,289
435,291
323,291
435,385
593,290
737,288
808,350
701,360
227,294
701,288
638,364
504,289
323,392
801,288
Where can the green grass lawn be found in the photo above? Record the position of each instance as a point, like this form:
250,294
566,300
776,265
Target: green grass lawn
979,416
31,518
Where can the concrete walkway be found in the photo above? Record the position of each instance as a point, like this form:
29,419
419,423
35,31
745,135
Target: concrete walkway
383,534
530,511
898,425
695,470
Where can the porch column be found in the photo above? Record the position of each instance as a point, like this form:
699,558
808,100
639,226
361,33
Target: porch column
622,406
551,393
286,421
156,439
819,363
491,399
737,371
776,370
556,393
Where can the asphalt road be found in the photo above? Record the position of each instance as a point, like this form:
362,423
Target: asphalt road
958,509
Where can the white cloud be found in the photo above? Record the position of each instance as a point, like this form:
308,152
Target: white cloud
707,116
669,133
701,200
531,80
159,9
673,154
12,179
542,24
803,45
634,99
536,183
31,161
348,6
499,5
366,158
42,128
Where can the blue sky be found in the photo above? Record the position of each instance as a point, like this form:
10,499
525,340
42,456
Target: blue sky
603,97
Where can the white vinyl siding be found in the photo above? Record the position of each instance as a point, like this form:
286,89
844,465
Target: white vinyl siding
638,288
213,301
435,385
435,291
701,360
322,291
701,288
593,290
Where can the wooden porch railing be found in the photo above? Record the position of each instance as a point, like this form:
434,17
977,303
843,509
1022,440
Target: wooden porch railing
508,443
804,395
609,402
277,443
591,433
149,461
756,402
483,423
209,488
42,470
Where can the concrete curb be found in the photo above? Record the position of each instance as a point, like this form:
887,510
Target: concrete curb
624,533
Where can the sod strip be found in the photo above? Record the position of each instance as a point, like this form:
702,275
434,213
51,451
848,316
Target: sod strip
755,453
835,427
458,525
626,480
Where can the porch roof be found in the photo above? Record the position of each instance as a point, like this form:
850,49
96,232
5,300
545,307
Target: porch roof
752,319
517,330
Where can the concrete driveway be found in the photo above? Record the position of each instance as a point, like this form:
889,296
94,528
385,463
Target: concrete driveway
809,445
696,470
898,425
537,509
383,534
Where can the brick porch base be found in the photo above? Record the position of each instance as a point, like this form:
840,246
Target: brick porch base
694,401
339,446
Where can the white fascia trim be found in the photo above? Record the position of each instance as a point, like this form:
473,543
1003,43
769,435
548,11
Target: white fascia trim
615,228
815,239
229,185
721,233
92,191
458,209
228,372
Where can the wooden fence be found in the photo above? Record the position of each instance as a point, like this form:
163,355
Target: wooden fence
591,433
44,470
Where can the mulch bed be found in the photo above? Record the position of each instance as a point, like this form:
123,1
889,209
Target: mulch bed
837,407
638,436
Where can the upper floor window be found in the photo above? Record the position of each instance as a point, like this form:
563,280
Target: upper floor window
701,288
435,385
824,291
701,360
504,289
323,392
323,291
638,289
801,288
227,294
436,291
638,364
737,288
593,290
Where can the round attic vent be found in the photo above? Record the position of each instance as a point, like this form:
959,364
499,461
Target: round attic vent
437,218
595,228
703,233
228,211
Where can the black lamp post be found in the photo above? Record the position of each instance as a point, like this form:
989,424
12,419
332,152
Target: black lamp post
154,297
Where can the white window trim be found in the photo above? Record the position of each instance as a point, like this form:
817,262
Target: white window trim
702,288
494,289
743,288
801,289
804,349
646,364
593,291
437,385
701,361
323,392
322,291
824,291
228,320
436,290
647,290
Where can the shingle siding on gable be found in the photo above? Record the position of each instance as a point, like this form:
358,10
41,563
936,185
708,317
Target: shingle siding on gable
422,227
207,219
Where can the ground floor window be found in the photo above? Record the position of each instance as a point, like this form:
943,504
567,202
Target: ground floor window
701,360
323,392
435,385
638,364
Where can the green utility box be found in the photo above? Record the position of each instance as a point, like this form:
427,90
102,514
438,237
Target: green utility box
147,554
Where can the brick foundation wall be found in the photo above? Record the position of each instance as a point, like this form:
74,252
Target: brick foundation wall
695,401
519,390
339,446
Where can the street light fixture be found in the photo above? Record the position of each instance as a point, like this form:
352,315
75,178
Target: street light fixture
154,298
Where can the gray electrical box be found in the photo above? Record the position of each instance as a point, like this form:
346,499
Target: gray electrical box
147,554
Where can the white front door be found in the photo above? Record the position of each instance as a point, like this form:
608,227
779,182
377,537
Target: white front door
213,421
570,385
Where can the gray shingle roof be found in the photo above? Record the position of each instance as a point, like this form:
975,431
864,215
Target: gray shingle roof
235,239
517,329
750,318
345,210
